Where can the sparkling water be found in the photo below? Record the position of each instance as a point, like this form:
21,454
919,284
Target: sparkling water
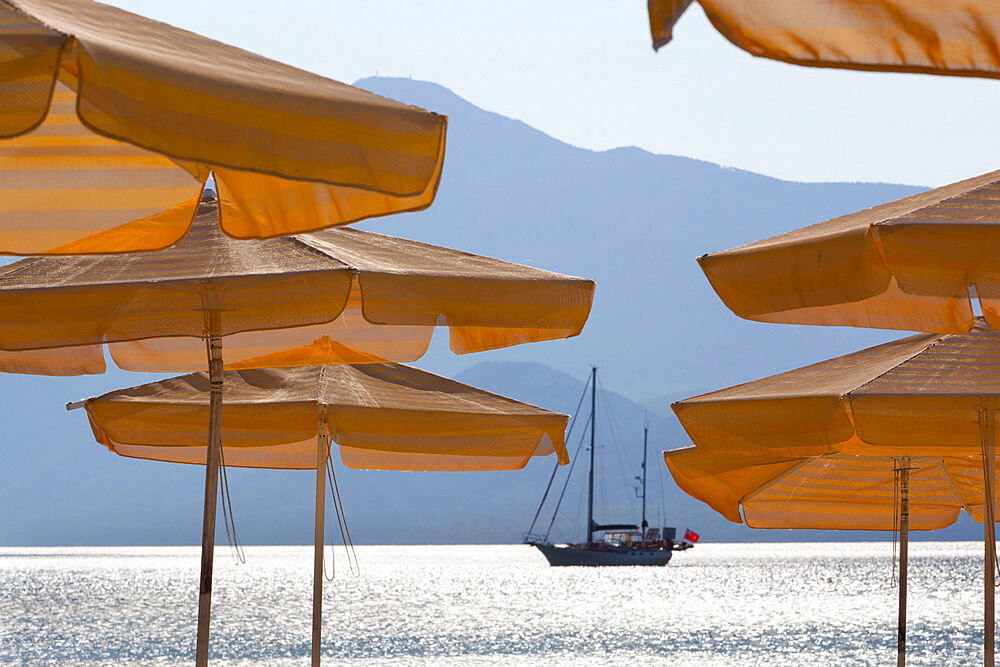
717,604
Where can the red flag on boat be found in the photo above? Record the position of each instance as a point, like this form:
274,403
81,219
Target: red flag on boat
691,536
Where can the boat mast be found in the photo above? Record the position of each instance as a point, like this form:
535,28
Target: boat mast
593,419
645,439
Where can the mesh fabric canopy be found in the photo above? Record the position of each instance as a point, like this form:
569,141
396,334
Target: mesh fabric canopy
111,120
930,36
922,395
837,492
384,416
340,295
907,264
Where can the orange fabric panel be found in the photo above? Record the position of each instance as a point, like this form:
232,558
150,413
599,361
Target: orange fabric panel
803,411
66,190
722,480
853,493
408,282
65,361
29,57
293,151
263,206
464,340
832,492
190,97
351,296
907,264
368,459
840,516
290,456
50,302
349,339
388,416
453,434
663,14
928,36
916,396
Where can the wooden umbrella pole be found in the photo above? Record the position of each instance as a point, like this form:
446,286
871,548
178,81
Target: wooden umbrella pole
989,533
215,378
904,541
322,451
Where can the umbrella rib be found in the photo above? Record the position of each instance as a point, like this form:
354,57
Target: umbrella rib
954,489
848,394
323,253
774,480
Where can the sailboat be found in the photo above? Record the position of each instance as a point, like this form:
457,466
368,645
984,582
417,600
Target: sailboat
618,543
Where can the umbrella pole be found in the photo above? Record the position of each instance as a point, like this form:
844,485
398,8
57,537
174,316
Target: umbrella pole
989,533
904,541
211,490
322,450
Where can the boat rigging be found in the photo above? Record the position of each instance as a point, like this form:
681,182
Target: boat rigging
621,543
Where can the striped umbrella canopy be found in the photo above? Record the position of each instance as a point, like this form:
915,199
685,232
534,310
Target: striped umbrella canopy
815,447
832,491
111,123
909,264
382,416
928,394
928,36
337,296
836,492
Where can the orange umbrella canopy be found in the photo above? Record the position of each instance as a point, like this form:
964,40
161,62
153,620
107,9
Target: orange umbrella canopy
109,121
383,416
929,36
925,395
337,296
908,264
834,491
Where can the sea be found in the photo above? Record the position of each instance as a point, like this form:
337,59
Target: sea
716,604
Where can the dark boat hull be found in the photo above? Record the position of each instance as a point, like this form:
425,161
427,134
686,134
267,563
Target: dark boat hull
565,555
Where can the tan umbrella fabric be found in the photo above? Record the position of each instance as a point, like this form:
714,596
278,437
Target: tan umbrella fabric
908,264
922,395
384,416
929,36
834,491
111,118
341,295
843,492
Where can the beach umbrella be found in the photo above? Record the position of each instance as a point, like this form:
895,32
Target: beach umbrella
304,300
909,264
382,416
913,264
835,492
111,123
332,293
929,395
927,36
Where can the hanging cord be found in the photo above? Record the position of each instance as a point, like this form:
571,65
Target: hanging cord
329,538
345,532
569,432
333,560
572,464
227,513
982,449
895,519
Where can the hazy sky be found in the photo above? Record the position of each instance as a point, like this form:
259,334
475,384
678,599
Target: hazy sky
584,72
